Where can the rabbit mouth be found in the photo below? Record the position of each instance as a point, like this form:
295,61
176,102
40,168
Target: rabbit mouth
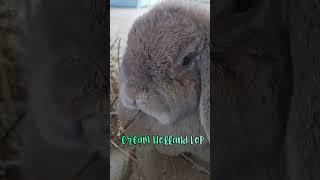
165,116
130,104
162,117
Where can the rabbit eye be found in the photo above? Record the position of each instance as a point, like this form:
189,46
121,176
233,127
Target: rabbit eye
187,60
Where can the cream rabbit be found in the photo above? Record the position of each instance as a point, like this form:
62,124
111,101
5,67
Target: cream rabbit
165,69
158,161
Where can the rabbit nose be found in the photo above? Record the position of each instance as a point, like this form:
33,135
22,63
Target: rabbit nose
128,102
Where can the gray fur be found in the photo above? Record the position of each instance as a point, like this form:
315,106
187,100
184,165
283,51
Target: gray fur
160,161
152,77
146,125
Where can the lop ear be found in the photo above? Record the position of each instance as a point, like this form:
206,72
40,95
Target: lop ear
204,103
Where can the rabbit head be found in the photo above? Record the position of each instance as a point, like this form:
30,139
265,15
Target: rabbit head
159,73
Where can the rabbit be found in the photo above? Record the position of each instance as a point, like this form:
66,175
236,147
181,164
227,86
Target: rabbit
161,162
64,56
160,74
147,125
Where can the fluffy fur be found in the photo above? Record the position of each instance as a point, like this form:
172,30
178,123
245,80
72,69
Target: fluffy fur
153,76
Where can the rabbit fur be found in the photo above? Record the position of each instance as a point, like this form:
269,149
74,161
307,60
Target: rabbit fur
165,69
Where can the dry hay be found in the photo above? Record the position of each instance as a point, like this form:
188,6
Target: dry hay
115,126
117,129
